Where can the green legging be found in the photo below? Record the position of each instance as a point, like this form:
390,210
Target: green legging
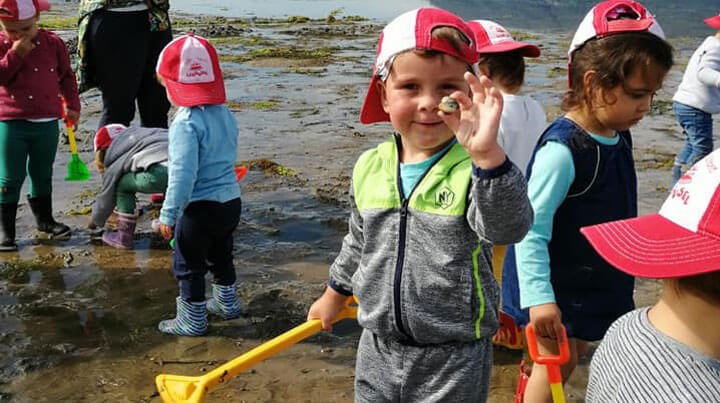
152,180
26,148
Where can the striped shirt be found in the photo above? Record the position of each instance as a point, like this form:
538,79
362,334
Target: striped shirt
637,363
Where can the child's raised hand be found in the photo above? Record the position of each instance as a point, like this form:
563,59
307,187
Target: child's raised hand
326,308
477,122
23,45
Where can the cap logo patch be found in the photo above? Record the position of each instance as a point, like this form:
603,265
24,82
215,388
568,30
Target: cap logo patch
623,12
195,65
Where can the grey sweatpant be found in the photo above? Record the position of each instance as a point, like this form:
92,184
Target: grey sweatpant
387,371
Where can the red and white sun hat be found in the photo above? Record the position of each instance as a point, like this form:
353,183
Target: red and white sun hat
191,72
492,37
683,239
105,135
713,22
412,30
614,17
22,9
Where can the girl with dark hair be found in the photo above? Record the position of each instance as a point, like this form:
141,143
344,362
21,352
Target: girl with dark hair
582,173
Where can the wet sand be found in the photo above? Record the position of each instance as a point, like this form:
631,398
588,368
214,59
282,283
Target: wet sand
78,319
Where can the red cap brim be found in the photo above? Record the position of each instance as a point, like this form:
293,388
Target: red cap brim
713,22
372,110
526,49
195,94
654,247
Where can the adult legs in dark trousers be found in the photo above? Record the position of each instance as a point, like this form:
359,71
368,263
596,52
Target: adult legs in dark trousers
123,54
204,241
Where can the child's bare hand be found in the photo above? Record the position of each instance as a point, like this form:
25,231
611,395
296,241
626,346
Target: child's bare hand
72,117
476,125
165,230
23,45
327,307
545,319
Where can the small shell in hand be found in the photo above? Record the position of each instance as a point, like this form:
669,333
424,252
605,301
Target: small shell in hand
448,105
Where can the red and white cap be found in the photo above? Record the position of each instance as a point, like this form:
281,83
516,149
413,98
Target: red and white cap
614,17
492,37
22,9
713,22
105,135
191,71
412,30
683,239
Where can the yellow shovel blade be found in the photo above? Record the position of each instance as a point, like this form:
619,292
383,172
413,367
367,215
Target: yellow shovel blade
177,389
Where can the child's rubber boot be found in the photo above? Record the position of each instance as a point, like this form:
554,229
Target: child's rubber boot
191,319
523,379
41,207
8,213
224,302
509,335
122,237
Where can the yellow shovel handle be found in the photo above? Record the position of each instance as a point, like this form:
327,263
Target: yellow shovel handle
556,389
69,127
71,137
270,348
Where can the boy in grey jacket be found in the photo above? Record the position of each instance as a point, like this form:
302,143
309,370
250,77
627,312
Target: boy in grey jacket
426,207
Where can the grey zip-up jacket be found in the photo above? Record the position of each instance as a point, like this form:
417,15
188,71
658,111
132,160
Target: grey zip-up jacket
421,268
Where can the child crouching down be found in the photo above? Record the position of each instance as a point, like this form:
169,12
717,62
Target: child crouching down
669,352
202,204
131,160
426,207
34,72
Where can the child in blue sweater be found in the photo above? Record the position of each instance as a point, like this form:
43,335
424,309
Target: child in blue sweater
582,173
202,204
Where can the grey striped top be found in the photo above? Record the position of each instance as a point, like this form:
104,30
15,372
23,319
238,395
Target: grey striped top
637,363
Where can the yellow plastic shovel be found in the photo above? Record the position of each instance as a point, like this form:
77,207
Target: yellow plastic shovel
178,388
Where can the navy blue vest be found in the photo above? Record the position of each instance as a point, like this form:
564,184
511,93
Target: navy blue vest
591,293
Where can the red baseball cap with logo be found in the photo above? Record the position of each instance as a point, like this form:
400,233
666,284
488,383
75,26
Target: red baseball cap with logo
191,72
682,239
412,30
614,17
22,9
713,22
492,37
105,135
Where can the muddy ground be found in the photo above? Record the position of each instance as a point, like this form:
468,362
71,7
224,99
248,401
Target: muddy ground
78,319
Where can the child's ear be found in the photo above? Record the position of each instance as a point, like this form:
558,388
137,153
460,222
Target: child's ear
383,95
589,86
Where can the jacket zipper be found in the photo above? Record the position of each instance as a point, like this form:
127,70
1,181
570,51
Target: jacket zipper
399,264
